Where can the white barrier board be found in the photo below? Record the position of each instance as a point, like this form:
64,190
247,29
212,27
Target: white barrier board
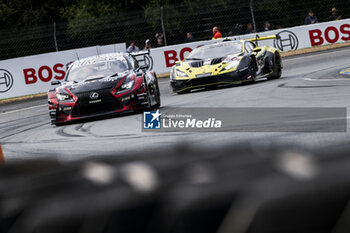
33,74
290,39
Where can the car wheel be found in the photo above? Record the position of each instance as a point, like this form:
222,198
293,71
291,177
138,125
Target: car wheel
157,93
147,105
277,67
252,72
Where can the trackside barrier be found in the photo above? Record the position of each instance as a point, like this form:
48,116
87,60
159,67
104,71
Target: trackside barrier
2,157
294,38
33,74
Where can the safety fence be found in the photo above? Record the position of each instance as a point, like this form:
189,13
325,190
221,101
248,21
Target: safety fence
172,23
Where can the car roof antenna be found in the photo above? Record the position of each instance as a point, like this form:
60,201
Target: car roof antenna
98,51
76,53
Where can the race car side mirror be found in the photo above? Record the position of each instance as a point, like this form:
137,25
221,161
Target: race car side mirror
256,50
142,68
54,83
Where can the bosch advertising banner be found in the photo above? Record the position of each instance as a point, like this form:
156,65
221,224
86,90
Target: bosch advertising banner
289,39
33,74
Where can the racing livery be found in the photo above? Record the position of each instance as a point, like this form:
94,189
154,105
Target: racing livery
103,84
226,62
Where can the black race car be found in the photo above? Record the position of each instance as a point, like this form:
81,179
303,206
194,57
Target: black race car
104,84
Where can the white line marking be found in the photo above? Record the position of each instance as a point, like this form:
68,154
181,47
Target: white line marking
311,54
19,110
326,80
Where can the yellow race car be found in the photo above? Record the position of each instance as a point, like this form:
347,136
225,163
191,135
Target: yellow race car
226,62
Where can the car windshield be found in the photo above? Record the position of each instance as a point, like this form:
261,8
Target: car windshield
214,51
97,70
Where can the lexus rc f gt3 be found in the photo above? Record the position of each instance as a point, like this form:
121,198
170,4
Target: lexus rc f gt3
226,62
105,84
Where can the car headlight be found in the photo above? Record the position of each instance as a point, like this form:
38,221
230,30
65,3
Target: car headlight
231,64
126,86
180,73
64,97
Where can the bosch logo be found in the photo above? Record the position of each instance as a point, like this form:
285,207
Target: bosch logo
286,40
6,80
94,95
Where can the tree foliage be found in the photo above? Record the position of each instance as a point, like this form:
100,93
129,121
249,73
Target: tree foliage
18,13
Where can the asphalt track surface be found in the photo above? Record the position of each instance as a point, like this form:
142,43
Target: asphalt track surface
310,80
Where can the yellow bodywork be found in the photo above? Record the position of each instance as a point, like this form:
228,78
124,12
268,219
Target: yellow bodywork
217,69
193,71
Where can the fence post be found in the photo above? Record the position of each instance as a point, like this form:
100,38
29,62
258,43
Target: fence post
162,22
54,36
252,13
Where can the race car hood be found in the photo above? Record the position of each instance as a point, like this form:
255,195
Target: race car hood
213,66
91,85
207,62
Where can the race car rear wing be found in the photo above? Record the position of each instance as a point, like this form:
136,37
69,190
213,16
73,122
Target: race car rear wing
258,38
143,58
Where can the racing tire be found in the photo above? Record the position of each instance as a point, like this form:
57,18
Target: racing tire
277,66
157,91
252,73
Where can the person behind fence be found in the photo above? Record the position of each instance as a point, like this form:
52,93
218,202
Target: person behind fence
158,39
238,29
148,44
160,42
132,47
250,29
334,15
310,18
267,26
189,37
216,33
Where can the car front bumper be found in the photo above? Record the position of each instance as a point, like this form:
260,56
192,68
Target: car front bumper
227,78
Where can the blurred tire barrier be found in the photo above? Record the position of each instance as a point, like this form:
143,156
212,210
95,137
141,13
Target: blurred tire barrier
253,188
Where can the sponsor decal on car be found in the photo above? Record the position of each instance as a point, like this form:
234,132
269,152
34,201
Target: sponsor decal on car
95,101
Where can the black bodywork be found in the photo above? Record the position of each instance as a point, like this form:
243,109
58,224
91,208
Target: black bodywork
105,95
256,63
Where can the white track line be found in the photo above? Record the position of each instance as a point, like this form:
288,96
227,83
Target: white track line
19,110
299,56
326,80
